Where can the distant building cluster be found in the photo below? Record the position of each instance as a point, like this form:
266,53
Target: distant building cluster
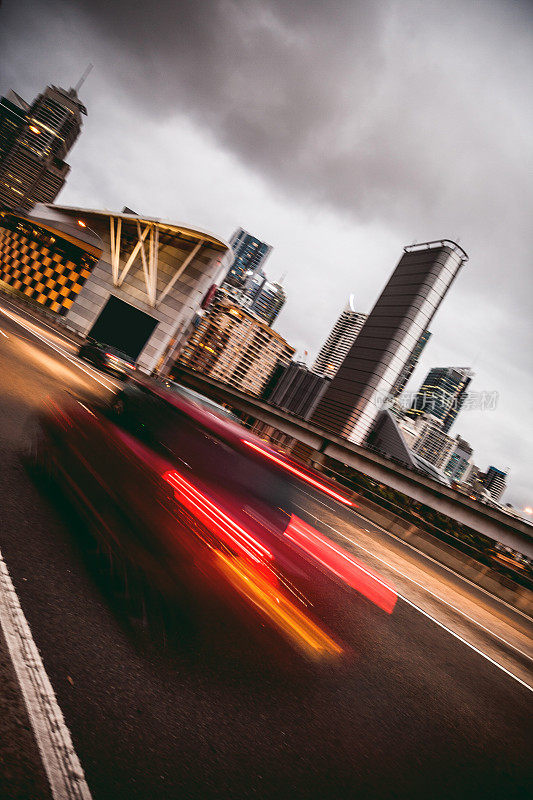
368,352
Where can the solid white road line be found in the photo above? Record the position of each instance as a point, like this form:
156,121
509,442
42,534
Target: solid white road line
63,769
427,557
425,589
58,334
107,383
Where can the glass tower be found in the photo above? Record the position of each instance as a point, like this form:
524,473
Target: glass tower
495,482
250,256
410,365
442,394
264,298
342,336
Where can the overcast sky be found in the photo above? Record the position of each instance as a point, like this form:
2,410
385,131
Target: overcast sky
338,132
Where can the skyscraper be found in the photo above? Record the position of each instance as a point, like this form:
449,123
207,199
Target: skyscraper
410,364
250,256
264,298
342,336
442,394
495,483
402,313
34,141
13,114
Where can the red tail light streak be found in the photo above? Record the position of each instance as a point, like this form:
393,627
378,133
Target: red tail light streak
298,473
216,520
341,564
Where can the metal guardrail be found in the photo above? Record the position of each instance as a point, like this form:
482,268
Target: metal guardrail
489,522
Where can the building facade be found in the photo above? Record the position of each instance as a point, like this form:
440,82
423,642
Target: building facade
459,460
235,347
410,365
376,359
442,394
34,142
434,445
250,255
342,336
296,390
264,298
495,482
130,281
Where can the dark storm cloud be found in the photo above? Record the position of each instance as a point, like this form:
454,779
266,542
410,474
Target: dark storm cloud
409,112
415,116
387,107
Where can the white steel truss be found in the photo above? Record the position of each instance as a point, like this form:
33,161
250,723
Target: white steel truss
148,235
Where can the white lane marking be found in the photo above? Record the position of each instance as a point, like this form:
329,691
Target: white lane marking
106,383
425,589
4,334
62,766
40,322
468,644
421,553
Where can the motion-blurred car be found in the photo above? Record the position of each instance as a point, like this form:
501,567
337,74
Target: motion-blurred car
203,508
106,358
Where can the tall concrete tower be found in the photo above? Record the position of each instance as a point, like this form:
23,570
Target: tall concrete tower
375,361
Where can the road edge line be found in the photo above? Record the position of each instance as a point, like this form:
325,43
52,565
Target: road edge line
61,764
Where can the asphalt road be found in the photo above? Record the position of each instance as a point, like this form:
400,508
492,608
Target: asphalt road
417,713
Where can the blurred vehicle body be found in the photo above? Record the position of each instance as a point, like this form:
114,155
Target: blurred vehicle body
195,502
106,358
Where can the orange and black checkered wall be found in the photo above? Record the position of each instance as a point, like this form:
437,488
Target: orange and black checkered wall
41,265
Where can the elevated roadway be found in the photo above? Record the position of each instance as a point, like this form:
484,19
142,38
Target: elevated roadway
485,520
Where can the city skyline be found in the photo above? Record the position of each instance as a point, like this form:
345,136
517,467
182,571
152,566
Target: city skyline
480,326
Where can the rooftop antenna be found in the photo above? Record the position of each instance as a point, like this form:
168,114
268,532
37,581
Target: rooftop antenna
83,77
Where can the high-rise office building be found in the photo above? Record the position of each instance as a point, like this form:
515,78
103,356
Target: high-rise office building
402,313
264,298
442,394
13,115
34,142
495,483
342,336
410,365
250,257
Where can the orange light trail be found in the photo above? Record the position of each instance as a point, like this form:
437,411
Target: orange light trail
305,633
